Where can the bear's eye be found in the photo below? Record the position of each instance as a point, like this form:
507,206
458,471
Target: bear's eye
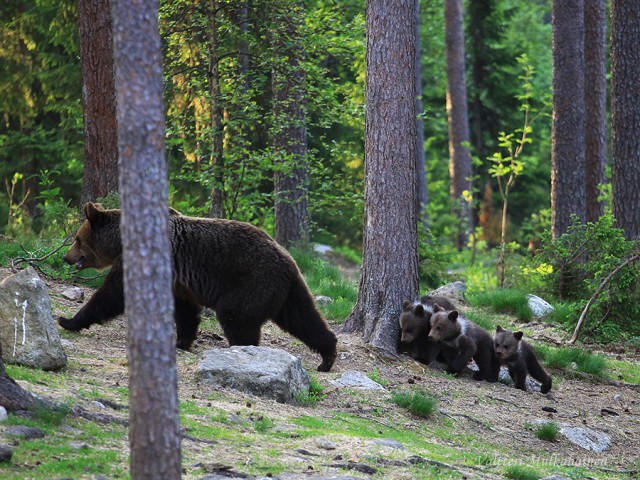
439,328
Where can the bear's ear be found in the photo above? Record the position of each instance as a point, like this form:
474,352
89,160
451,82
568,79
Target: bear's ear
499,329
406,306
93,212
518,335
418,309
453,315
437,308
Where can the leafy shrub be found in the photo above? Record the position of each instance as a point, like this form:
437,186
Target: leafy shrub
419,403
573,266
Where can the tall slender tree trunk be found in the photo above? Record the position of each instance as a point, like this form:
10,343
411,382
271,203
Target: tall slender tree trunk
625,109
290,131
568,122
459,156
216,209
100,176
153,406
421,162
595,41
390,260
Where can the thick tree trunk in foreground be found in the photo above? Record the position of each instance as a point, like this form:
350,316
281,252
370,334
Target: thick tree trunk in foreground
100,176
625,115
153,408
390,259
568,121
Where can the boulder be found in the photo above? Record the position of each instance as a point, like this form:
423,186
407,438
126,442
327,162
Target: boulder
28,333
539,307
453,291
261,371
355,379
586,438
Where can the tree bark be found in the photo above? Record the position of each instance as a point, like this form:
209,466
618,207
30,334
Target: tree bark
421,162
153,407
291,179
216,209
625,115
459,157
568,121
595,26
100,176
390,260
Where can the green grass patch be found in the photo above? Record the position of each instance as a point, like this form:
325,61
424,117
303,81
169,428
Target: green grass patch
511,301
624,371
376,377
548,431
518,472
263,424
314,395
485,320
419,403
570,358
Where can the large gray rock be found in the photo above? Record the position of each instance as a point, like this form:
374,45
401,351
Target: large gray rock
539,307
453,291
586,438
28,333
262,371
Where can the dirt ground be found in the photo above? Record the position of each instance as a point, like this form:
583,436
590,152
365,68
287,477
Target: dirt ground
483,413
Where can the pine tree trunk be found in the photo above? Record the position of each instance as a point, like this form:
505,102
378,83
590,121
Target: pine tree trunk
100,176
459,156
216,209
153,406
595,26
421,162
291,180
390,260
625,118
568,123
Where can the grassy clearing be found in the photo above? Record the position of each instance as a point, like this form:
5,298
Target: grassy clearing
576,359
511,301
419,403
548,431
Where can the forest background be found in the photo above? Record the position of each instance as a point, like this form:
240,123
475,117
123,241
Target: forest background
42,149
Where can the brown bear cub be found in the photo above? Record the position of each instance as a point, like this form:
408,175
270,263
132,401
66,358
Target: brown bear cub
415,324
462,340
520,358
232,267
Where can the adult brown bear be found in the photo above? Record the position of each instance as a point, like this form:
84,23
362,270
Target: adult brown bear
232,267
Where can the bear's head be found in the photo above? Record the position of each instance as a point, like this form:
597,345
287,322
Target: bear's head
444,324
506,344
414,321
97,242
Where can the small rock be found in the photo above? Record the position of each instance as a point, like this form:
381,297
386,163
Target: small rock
323,300
3,414
325,444
322,249
388,442
74,294
28,433
78,446
586,438
355,379
5,453
98,404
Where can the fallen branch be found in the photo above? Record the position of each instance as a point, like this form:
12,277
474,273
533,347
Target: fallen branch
33,260
595,296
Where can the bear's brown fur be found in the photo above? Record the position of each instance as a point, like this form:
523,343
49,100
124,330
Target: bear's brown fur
461,340
232,267
520,358
415,324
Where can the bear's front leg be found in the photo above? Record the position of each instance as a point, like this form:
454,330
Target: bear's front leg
106,303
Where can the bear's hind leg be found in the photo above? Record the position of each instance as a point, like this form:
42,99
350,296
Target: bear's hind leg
187,318
239,330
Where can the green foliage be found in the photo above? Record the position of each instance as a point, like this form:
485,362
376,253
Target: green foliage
419,403
376,377
548,431
315,394
51,414
573,266
518,472
262,424
510,301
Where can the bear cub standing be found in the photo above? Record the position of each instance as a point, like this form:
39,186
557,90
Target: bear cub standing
415,324
461,340
520,358
232,267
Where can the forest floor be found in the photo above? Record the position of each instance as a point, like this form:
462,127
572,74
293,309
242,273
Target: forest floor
479,430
